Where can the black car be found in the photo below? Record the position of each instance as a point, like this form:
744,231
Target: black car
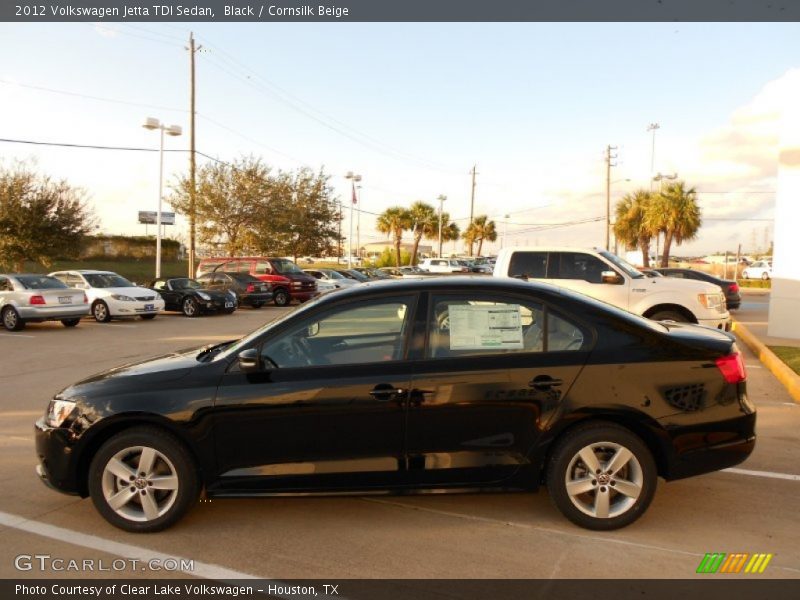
190,297
452,383
249,290
730,288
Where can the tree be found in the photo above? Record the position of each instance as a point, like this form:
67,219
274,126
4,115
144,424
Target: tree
675,212
630,223
424,223
450,231
394,221
479,230
229,197
40,219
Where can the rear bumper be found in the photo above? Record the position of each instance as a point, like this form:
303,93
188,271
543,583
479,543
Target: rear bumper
711,447
256,298
33,313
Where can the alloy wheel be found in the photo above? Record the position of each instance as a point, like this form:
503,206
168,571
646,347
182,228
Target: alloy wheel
140,483
10,319
604,480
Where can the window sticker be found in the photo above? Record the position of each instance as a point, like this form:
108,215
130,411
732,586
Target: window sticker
484,327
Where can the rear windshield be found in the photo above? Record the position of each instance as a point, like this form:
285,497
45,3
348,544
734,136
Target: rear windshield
40,282
106,280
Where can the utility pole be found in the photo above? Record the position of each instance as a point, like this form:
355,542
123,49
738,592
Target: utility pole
653,127
472,202
441,199
339,239
192,162
609,158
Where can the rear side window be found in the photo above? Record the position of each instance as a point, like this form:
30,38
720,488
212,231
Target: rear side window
5,285
528,265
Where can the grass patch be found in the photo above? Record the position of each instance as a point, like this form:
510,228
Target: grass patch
788,354
140,271
755,283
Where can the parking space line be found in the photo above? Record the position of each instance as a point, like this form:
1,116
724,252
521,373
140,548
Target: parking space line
76,538
769,474
18,335
489,520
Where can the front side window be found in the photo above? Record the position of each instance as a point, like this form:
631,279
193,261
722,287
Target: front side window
475,325
160,285
285,266
263,267
367,332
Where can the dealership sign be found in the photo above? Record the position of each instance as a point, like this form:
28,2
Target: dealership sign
150,217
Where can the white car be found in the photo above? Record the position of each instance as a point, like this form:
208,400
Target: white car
605,276
443,265
111,295
761,269
331,276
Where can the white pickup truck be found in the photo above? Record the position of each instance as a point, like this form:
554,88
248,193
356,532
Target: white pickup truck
605,276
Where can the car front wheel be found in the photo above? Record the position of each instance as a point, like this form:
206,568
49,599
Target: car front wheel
100,312
281,298
601,476
143,480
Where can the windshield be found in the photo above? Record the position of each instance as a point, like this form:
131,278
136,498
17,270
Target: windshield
622,264
285,266
40,282
334,275
185,284
106,280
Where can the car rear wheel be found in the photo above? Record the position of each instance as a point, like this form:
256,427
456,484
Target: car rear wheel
190,307
70,322
100,312
143,480
601,476
11,319
281,298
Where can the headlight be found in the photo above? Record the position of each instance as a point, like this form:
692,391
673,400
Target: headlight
58,411
710,301
204,296
122,298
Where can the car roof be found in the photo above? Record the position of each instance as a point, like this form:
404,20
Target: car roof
476,282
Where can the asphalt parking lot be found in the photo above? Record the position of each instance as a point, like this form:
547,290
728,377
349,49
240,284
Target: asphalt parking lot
748,509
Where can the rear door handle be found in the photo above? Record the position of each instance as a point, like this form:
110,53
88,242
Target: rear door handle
544,383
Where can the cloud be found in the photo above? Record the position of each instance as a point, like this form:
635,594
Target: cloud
104,30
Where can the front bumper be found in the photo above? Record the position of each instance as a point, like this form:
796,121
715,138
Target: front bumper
303,295
56,467
722,323
119,308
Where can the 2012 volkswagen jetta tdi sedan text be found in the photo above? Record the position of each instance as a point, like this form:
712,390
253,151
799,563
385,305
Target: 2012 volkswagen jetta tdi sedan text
452,384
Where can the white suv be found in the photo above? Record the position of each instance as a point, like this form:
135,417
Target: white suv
111,295
607,277
443,265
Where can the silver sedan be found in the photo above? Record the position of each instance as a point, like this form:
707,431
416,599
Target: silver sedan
26,298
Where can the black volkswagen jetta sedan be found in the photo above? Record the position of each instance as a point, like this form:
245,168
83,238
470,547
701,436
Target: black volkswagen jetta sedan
455,384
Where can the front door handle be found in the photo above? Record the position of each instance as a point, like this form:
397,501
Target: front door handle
385,392
543,383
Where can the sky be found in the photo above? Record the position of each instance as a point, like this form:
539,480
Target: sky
412,107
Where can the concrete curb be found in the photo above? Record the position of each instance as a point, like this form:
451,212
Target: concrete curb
788,378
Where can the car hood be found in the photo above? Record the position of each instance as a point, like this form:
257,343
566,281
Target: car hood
126,291
665,284
160,369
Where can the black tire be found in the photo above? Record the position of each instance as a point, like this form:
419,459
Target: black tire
189,307
281,297
11,319
669,315
744,275
765,276
256,305
100,312
229,311
603,441
148,317
172,461
70,322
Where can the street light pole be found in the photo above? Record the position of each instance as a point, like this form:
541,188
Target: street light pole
174,130
441,199
353,180
653,127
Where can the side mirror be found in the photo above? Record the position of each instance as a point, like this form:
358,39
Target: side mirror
611,277
312,330
249,360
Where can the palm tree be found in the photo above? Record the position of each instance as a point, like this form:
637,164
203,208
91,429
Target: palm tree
630,223
394,221
424,223
479,230
450,232
674,211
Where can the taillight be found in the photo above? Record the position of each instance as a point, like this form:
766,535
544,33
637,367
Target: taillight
251,287
85,299
734,288
37,300
732,367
